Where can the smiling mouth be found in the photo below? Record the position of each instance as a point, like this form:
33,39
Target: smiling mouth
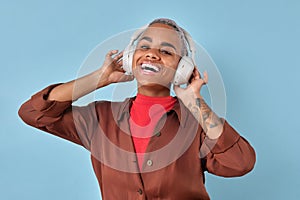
150,68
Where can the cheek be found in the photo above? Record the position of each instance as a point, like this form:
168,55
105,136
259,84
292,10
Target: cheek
173,63
169,73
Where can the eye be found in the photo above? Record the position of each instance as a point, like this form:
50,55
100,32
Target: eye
163,51
145,47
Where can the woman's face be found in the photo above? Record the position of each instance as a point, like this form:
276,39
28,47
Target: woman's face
157,55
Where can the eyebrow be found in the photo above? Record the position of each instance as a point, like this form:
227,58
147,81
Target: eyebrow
162,44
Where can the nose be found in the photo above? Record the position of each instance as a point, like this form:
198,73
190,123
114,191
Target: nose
152,54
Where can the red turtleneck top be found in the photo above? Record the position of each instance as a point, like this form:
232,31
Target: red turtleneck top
144,115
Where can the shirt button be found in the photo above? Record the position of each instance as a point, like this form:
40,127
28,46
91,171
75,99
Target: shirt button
140,191
158,134
149,163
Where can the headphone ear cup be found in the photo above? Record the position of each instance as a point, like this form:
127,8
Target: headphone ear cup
127,58
184,70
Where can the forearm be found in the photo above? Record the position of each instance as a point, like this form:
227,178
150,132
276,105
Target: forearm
77,88
209,121
110,72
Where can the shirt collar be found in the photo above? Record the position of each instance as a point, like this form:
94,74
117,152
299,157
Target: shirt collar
123,108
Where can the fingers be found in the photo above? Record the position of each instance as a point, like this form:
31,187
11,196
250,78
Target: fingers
205,77
196,74
111,52
115,61
126,78
118,57
120,64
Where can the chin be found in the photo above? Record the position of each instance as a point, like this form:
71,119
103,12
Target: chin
154,84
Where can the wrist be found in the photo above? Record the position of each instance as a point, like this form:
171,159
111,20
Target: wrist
101,78
198,95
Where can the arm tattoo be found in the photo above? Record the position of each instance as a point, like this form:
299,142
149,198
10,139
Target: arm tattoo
206,117
194,110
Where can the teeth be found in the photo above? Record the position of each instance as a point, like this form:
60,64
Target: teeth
150,67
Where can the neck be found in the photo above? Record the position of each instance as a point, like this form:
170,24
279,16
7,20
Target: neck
154,91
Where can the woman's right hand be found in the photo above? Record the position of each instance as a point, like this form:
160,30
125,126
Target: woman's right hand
112,71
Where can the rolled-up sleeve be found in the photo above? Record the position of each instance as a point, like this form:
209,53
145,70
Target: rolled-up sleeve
61,119
230,155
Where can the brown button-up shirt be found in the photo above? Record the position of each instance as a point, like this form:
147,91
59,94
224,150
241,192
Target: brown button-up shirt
176,158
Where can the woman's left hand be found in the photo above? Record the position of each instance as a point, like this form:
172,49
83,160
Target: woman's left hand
192,90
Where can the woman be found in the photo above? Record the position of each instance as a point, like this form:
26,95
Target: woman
152,146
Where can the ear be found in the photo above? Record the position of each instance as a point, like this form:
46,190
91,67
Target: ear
184,71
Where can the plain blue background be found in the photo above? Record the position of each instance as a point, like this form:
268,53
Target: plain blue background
255,45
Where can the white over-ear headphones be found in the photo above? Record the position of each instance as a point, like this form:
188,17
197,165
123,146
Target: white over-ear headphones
185,66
